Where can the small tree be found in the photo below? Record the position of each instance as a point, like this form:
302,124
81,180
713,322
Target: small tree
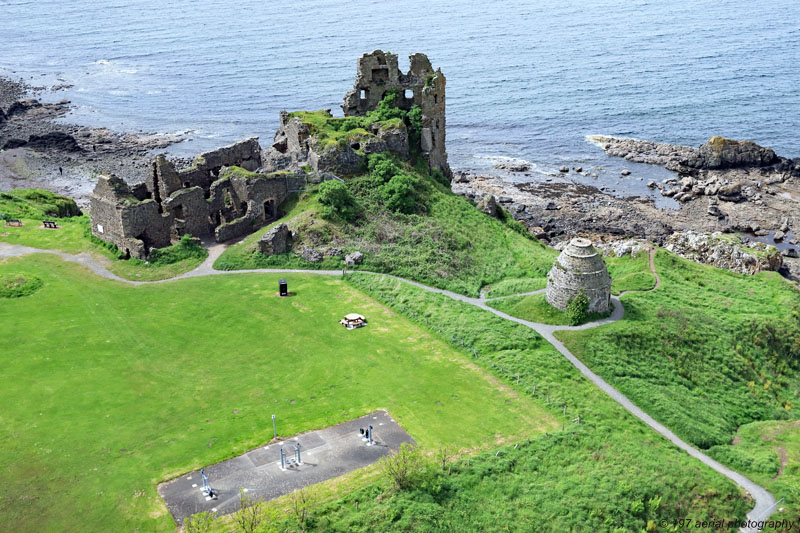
404,466
577,308
249,515
445,456
337,201
199,523
400,193
302,502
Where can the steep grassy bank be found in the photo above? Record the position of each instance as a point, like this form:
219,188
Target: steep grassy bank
708,351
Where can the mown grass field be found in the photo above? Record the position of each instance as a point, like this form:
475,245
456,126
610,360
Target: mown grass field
110,389
706,352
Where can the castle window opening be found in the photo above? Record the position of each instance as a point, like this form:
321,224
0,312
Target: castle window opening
356,146
226,196
243,207
178,212
408,94
435,98
363,95
186,184
380,74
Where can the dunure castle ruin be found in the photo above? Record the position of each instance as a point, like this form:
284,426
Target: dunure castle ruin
232,191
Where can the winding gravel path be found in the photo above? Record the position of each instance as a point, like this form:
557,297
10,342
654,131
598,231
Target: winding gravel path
764,501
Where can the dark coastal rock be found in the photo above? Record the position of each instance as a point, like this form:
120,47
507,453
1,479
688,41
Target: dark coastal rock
512,166
14,143
731,193
564,169
22,106
625,172
55,140
721,153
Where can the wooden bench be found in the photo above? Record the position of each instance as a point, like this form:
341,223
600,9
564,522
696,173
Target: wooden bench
50,224
14,222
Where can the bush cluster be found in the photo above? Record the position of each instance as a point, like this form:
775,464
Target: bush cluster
337,202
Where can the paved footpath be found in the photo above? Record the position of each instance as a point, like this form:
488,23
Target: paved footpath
764,501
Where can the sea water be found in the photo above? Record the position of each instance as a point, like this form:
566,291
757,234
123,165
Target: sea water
525,80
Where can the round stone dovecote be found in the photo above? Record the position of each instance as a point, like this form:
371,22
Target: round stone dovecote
579,267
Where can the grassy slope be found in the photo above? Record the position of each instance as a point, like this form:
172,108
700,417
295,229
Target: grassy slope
706,352
630,273
609,473
447,243
769,453
113,388
534,307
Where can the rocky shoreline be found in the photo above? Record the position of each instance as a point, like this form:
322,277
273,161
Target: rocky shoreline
725,186
37,150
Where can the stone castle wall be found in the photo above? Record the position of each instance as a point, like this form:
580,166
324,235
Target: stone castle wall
379,73
199,201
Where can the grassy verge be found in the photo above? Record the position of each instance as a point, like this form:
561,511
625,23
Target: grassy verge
534,307
708,351
112,388
511,286
769,454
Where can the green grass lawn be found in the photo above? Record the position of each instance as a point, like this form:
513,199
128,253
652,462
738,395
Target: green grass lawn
534,307
769,453
706,352
109,389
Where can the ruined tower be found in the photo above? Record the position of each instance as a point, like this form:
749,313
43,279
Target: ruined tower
579,268
378,73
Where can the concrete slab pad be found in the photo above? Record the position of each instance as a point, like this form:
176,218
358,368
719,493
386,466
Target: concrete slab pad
325,454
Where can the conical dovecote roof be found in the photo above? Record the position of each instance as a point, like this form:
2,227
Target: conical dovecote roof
579,268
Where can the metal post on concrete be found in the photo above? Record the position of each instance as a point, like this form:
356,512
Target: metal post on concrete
283,459
297,452
370,442
274,431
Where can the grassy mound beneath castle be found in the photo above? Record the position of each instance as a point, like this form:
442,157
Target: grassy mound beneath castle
706,352
114,388
412,227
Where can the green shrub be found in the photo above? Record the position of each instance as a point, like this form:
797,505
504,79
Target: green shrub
187,248
400,193
577,307
382,167
36,203
18,285
337,201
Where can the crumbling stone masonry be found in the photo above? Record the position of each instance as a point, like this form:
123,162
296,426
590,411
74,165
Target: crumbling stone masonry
378,73
218,195
579,268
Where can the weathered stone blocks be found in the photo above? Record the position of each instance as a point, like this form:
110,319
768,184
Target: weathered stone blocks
579,268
